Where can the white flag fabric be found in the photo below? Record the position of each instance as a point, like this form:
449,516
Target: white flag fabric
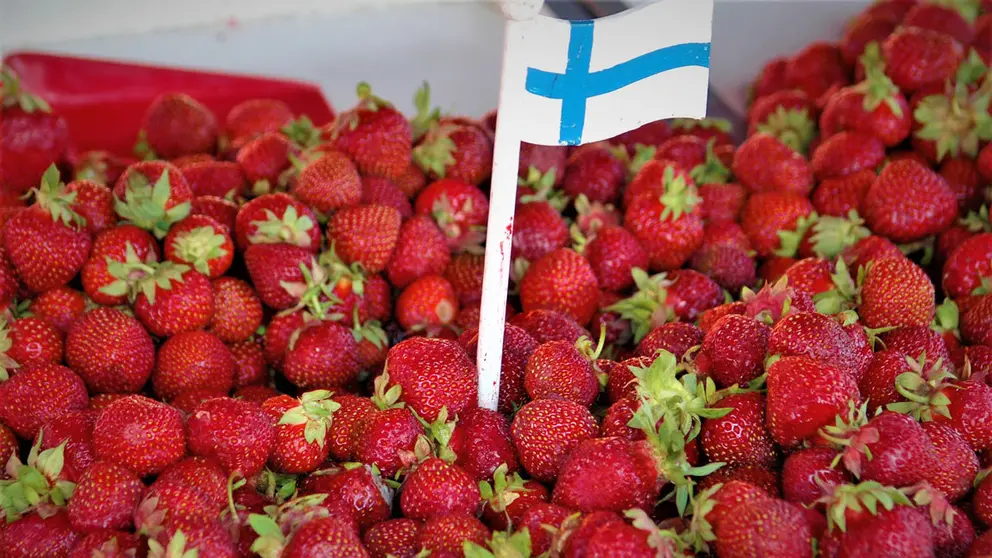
583,81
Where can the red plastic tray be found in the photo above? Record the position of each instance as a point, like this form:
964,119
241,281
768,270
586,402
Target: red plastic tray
104,101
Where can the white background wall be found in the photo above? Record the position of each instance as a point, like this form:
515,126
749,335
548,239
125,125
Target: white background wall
393,44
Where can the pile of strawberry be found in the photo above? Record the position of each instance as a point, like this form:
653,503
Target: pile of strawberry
258,337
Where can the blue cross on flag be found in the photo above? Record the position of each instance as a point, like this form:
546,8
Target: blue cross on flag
577,82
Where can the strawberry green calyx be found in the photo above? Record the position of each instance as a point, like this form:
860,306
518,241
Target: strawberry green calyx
13,95
958,122
877,88
543,187
946,318
128,272
646,308
345,279
865,496
579,240
315,411
302,132
36,485
719,124
843,297
279,487
7,364
666,542
426,116
277,525
291,228
851,437
144,205
977,221
175,549
642,154
938,507
700,533
200,246
370,331
445,214
770,304
503,544
789,240
385,396
52,197
271,539
591,216
585,346
832,235
144,278
793,127
504,489
712,170
922,387
367,100
679,196
315,293
142,149
436,153
438,435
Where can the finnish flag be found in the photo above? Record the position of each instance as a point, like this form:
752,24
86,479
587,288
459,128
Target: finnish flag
575,82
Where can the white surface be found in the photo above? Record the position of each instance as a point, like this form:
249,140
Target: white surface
395,44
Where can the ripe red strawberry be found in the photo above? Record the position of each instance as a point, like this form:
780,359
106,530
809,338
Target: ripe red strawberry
915,57
976,321
365,235
621,483
237,310
393,537
162,440
764,527
733,351
765,164
613,253
356,493
33,136
595,171
94,203
818,337
420,250
518,346
787,114
223,179
190,361
955,465
109,543
308,364
681,294
878,384
770,79
807,473
948,20
845,153
459,209
839,196
907,532
329,183
803,396
105,498
169,298
100,167
817,69
674,337
562,281
264,160
273,267
343,433
538,229
277,218
250,368
110,351
456,149
382,191
545,430
152,195
896,292
916,341
870,249
739,437
427,305
47,243
34,535
668,224
176,124
209,537
961,174
60,307
446,535
433,374
201,243
202,475
301,430
767,216
255,117
892,207
38,394
387,435
731,268
901,452
481,443
374,135
238,434
559,369
436,488
967,264
35,341
969,412
125,244
547,325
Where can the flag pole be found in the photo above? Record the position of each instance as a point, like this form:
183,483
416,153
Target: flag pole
502,203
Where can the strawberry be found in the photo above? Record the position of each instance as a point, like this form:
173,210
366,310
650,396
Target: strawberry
818,337
808,472
255,117
428,304
459,209
225,212
739,437
210,537
38,394
878,384
563,281
901,452
716,129
110,544
896,530
674,337
105,498
976,321
329,183
382,191
955,465
301,430
518,346
274,219
772,219
35,341
803,396
547,325
953,121
126,244
729,267
237,310
447,535
250,368
34,535
201,243
948,20
538,229
771,78
562,370
393,537
161,443
787,114
110,351
733,350
686,151
192,360
436,488
968,408
839,196
374,135
168,298
175,124
358,491
545,430
365,235
152,195
387,434
846,153
94,203
481,428
100,167
889,206
308,364
961,174
433,374
421,250
865,29
967,264
216,178
916,341
60,307
453,148
264,160
765,164
817,69
274,267
239,435
613,253
202,475
915,57
33,136
594,170
896,292
47,243
764,527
